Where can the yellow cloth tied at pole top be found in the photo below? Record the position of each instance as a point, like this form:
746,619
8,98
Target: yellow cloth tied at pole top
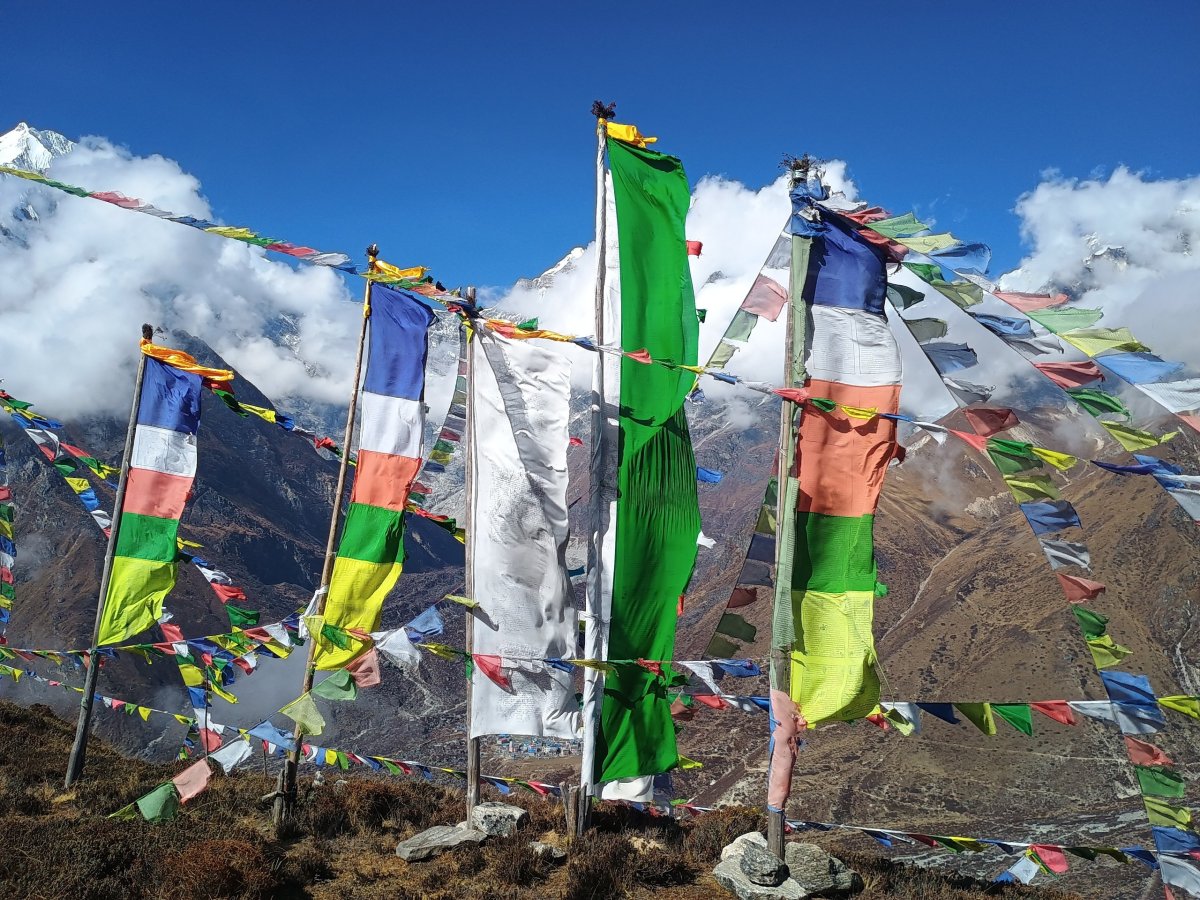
385,271
833,675
185,362
628,133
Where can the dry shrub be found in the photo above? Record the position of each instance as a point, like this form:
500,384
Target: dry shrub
308,863
470,860
599,866
664,868
513,861
216,869
706,835
325,815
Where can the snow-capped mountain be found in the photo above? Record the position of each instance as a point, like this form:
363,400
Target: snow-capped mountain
31,148
544,282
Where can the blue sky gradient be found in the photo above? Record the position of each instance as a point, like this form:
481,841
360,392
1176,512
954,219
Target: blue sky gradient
459,135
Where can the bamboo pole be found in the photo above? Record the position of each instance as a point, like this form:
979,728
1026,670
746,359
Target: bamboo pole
469,580
78,756
788,458
285,796
593,681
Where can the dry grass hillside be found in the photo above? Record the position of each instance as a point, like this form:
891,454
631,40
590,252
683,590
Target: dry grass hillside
342,844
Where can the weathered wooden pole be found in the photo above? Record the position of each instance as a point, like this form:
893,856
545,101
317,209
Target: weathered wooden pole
79,749
285,795
469,579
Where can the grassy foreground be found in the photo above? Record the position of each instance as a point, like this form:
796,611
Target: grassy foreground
60,844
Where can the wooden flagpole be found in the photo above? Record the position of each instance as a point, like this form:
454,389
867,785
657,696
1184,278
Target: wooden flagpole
469,580
285,795
79,749
593,681
793,375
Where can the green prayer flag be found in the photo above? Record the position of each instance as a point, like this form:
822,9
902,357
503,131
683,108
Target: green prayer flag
902,296
392,768
1092,623
928,243
702,314
336,636
1065,318
899,226
925,271
241,618
980,714
823,403
741,326
338,686
1098,402
1156,781
1018,715
734,626
927,329
64,465
160,805
657,516
963,294
529,324
721,648
1011,457
231,401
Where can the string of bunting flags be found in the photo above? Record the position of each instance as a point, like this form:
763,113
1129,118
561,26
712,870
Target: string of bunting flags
1132,704
161,803
413,278
8,546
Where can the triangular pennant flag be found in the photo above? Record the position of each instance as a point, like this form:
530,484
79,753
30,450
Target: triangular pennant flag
337,686
1156,781
492,666
160,805
303,711
1142,753
1058,710
980,714
1018,715
1079,589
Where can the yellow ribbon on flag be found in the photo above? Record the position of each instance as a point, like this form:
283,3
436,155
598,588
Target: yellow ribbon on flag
628,133
184,361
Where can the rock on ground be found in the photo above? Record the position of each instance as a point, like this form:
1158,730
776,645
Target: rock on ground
498,819
752,872
436,840
548,851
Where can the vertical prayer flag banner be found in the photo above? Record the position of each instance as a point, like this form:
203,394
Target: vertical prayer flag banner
161,471
371,552
520,407
852,358
8,547
650,515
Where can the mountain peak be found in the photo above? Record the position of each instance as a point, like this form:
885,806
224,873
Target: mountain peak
29,148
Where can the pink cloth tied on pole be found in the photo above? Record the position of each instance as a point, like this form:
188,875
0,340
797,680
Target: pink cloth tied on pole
788,722
766,298
694,247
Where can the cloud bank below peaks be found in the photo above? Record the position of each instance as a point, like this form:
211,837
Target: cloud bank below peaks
77,279
1128,244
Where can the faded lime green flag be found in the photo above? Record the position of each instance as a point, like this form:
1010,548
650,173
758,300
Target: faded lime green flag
1094,341
338,686
980,714
1029,488
1106,652
897,226
927,243
1160,812
1189,706
1134,438
1065,318
962,293
303,711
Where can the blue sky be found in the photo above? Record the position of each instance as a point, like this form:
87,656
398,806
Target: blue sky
459,135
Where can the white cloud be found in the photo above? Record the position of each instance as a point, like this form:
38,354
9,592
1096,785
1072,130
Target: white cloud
1127,244
75,290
